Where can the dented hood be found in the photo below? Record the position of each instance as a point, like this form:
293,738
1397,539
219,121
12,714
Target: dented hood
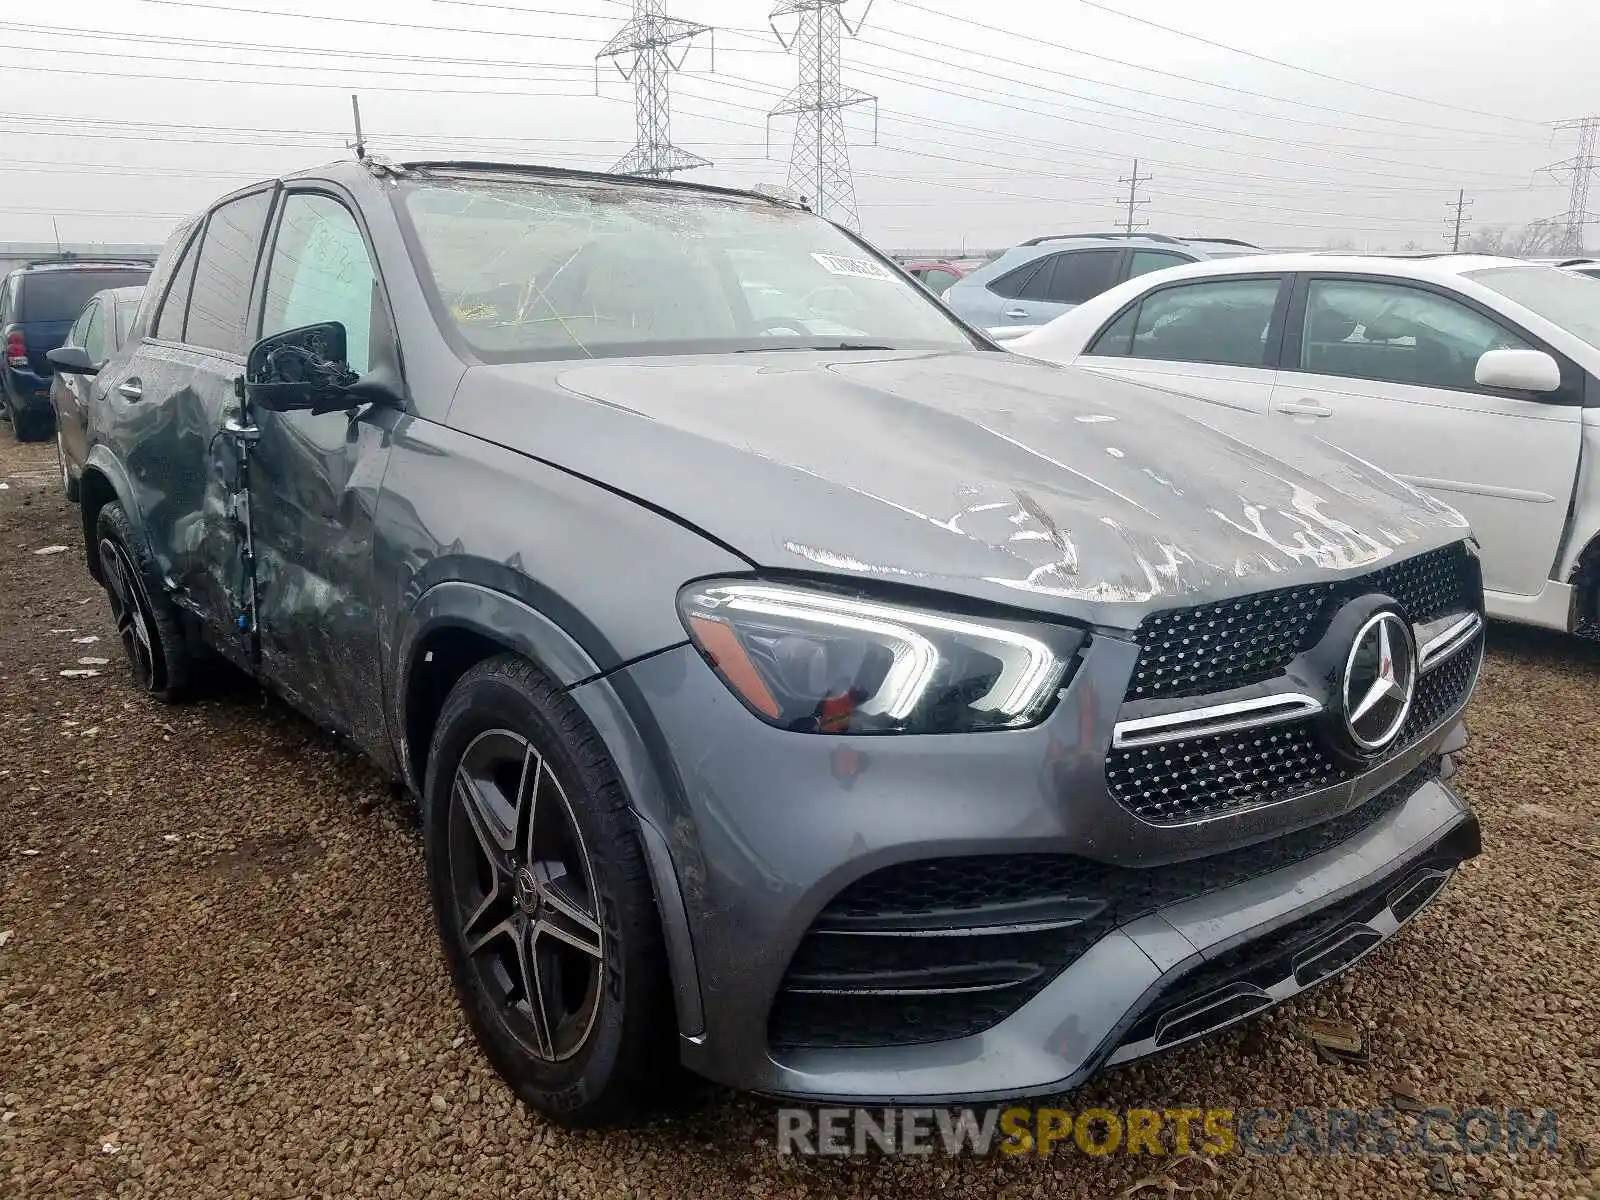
974,472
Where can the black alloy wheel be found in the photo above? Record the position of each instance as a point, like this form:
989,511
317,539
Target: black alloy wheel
130,612
543,898
524,890
147,622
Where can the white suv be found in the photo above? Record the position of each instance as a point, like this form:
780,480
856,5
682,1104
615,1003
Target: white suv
1473,378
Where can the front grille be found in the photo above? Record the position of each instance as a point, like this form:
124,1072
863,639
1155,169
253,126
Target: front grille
1190,780
921,952
1174,783
1234,643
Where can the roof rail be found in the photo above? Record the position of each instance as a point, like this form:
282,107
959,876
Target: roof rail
1223,241
1574,262
1061,237
68,258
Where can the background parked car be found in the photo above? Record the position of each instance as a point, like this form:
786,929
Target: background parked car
1467,376
38,304
1036,282
935,276
98,333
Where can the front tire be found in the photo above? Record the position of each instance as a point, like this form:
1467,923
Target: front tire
147,623
542,898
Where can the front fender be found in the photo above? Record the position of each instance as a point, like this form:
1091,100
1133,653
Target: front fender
524,630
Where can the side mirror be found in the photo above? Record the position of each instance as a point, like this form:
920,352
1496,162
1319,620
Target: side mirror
1518,370
72,360
301,370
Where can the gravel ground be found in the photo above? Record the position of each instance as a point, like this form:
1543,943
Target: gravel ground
219,977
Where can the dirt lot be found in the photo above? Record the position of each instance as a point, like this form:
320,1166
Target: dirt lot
218,974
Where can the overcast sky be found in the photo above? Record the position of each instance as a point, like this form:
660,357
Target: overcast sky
119,115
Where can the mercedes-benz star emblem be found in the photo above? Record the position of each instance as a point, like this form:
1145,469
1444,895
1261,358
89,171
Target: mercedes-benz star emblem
1380,677
527,890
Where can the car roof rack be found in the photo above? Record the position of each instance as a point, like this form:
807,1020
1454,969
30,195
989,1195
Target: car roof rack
1061,237
1576,262
69,259
1222,241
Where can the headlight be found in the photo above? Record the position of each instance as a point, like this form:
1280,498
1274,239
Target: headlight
815,662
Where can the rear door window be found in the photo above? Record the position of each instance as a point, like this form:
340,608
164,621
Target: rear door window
94,334
1038,286
1082,275
169,323
61,295
1142,262
1010,284
1217,321
222,280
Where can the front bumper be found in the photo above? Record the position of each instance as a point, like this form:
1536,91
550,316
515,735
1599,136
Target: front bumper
765,829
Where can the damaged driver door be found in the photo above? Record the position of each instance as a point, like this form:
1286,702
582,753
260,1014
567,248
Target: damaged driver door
315,476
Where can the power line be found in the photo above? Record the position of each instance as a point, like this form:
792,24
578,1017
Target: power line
819,160
1133,181
649,37
1278,62
1120,62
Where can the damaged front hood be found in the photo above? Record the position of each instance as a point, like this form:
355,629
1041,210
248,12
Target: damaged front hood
974,472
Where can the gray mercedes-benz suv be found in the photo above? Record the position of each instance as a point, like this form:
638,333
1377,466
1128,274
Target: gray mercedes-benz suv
806,691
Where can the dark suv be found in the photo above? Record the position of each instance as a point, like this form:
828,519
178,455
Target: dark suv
38,304
829,700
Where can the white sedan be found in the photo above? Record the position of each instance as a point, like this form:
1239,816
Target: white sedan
1475,379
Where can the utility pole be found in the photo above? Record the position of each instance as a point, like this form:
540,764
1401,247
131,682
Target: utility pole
1578,169
819,162
1459,210
642,53
1133,181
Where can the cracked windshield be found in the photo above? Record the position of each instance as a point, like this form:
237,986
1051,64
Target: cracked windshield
542,270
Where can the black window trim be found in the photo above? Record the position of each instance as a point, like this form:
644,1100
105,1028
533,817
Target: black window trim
272,186
389,350
1026,271
1573,376
1277,329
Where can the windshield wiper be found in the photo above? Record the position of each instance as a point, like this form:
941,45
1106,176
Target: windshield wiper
827,346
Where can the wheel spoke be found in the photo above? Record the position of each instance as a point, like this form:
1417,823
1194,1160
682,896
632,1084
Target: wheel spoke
528,780
564,917
536,996
480,929
493,839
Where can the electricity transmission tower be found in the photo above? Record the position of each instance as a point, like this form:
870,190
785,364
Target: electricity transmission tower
819,163
1579,167
642,52
1457,218
1133,181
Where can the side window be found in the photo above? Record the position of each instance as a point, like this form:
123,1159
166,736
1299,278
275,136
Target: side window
1082,275
1010,285
938,281
169,323
1038,285
1217,321
94,333
1142,262
1116,339
321,271
78,335
222,279
1396,333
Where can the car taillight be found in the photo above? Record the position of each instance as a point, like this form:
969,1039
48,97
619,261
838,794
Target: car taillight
16,348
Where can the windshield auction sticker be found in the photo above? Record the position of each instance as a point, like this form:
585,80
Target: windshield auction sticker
856,268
